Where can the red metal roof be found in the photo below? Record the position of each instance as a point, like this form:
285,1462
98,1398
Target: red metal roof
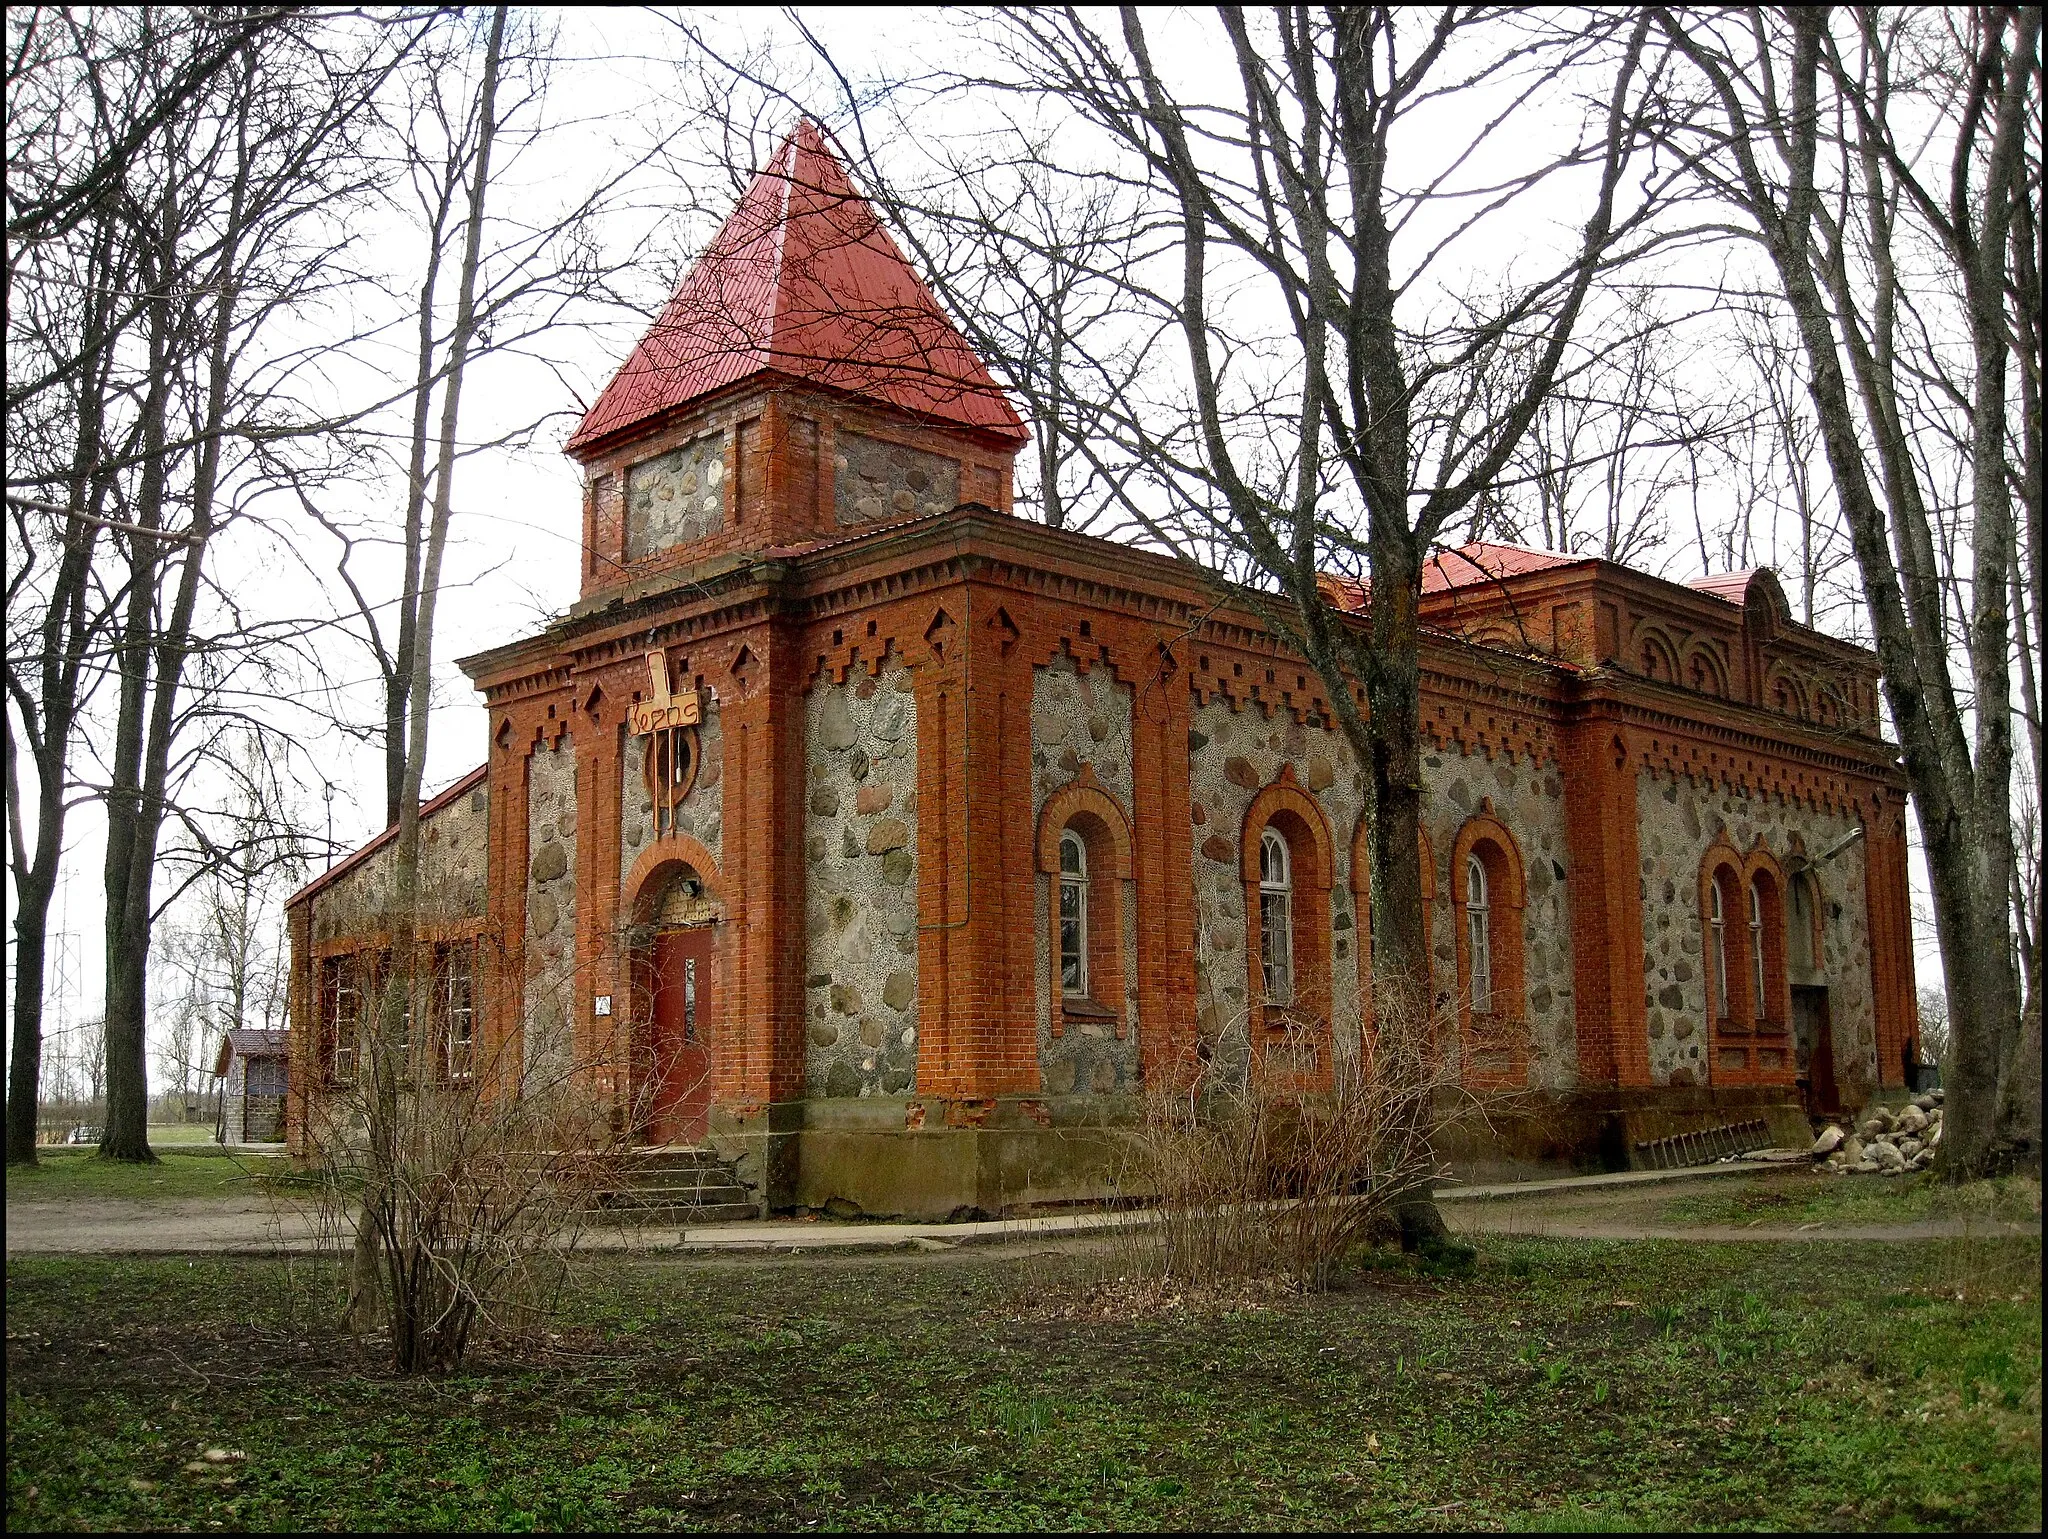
804,280
1485,562
1467,566
1732,586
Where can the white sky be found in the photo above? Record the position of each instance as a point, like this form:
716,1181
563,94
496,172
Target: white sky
514,557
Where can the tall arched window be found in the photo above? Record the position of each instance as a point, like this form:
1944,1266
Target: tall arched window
1276,919
1479,934
1073,916
1717,925
1757,995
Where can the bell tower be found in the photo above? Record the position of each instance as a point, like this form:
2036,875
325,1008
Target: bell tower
803,384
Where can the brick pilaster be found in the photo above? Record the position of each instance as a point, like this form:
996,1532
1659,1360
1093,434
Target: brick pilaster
1606,902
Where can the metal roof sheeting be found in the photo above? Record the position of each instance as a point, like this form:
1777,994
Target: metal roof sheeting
804,280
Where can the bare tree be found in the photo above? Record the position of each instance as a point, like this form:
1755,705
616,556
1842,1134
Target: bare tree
1341,388
407,997
540,268
237,210
1620,439
1812,131
227,958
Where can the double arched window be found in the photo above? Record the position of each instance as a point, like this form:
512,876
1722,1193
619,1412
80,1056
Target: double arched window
1276,918
1742,909
1073,916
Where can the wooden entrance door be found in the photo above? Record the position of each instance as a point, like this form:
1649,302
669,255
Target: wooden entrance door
680,1036
1814,1038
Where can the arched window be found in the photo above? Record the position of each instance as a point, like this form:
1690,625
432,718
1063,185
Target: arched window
1757,994
1479,934
1717,925
1487,897
1276,919
1073,916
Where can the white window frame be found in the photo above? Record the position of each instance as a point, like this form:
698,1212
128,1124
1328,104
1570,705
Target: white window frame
1717,927
461,1044
1276,918
1756,949
346,1028
1073,882
1479,934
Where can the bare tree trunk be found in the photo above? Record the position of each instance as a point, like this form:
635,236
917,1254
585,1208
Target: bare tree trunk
1962,803
376,1239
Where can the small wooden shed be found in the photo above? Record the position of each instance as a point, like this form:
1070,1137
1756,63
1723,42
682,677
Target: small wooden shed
251,1068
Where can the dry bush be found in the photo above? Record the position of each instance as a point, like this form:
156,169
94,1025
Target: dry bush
1271,1168
460,1182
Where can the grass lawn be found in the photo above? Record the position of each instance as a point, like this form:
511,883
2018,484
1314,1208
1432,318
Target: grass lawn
1817,1197
175,1133
67,1172
1563,1384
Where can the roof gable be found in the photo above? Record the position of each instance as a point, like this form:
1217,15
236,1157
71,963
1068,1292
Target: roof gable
804,280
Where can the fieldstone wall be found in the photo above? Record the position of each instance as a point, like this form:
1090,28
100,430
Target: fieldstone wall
1083,718
702,814
1677,821
676,497
1529,799
860,904
873,480
453,850
1232,755
551,982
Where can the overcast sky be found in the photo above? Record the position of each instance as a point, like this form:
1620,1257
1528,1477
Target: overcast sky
514,558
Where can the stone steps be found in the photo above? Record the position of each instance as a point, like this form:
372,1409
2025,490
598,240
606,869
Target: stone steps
677,1185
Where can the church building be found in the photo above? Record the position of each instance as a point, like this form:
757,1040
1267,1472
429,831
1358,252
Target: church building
888,842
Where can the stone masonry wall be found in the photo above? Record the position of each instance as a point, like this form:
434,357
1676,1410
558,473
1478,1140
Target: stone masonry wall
1083,718
860,904
1529,799
551,982
873,480
1677,821
453,848
676,498
702,814
1232,755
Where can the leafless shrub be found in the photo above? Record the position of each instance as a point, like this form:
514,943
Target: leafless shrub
1283,1164
462,1177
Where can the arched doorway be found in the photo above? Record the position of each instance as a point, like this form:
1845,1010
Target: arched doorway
676,996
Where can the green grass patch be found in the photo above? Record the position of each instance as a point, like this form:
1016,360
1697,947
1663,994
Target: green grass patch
1818,1197
1559,1385
63,1174
176,1134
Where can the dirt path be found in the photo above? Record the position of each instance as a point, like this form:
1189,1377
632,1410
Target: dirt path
1593,1208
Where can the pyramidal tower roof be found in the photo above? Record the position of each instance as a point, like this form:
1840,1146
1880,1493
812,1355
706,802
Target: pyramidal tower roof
803,280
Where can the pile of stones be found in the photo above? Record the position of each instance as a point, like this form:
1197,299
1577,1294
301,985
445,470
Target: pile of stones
1885,1142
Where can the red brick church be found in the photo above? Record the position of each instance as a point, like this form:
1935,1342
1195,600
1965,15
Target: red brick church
886,840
